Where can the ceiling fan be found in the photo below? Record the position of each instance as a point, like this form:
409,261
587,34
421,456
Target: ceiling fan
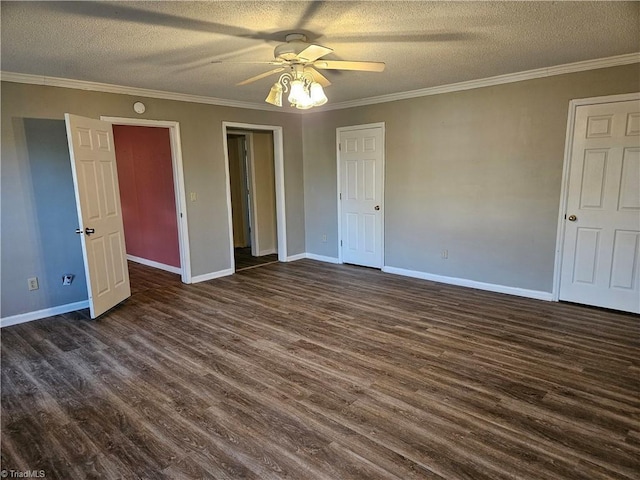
300,62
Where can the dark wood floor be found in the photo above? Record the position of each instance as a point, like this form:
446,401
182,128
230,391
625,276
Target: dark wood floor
245,260
306,370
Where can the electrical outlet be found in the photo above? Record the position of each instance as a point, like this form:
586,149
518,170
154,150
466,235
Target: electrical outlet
445,254
324,238
67,278
33,283
193,196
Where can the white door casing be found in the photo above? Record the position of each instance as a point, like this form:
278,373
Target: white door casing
178,180
601,248
360,191
95,179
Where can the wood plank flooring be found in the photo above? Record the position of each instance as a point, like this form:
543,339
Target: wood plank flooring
306,370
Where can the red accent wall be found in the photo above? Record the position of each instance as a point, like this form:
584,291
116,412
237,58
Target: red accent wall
145,174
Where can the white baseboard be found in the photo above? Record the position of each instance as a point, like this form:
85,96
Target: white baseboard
212,275
322,258
270,251
299,256
463,282
151,263
44,313
312,256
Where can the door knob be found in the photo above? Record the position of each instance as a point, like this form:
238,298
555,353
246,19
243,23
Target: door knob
572,218
377,207
89,231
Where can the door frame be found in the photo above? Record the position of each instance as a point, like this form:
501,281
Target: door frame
339,130
278,163
564,192
251,186
178,183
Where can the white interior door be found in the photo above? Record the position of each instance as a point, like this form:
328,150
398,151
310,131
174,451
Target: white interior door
361,158
602,226
95,178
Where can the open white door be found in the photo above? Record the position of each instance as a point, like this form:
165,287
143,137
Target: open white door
361,170
95,179
601,254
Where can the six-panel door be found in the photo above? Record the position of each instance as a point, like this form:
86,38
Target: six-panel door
361,179
602,229
95,178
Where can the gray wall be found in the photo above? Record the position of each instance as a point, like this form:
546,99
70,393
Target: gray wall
39,218
26,252
476,172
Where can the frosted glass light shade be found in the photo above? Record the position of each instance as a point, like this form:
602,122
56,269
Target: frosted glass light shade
297,92
304,102
317,95
275,95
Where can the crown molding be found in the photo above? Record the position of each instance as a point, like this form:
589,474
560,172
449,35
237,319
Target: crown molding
615,61
124,90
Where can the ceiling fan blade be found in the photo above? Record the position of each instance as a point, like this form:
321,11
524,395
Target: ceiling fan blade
147,16
308,15
415,36
313,52
318,77
262,75
273,62
346,65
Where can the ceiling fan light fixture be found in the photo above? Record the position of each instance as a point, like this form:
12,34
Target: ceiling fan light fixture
301,80
304,90
275,95
317,94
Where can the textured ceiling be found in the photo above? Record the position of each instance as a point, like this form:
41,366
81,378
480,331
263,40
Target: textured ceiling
170,45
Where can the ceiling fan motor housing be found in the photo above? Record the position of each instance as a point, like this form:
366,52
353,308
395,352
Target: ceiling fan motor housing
296,43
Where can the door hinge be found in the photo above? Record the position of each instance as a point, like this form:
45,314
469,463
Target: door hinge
339,147
340,195
340,242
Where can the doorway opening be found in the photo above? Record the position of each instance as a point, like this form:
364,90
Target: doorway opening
149,162
253,200
255,194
